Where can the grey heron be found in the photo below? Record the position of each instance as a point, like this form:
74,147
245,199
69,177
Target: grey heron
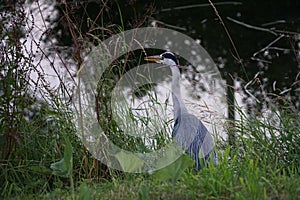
189,132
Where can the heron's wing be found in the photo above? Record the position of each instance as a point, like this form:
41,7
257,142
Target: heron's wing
207,141
191,134
186,130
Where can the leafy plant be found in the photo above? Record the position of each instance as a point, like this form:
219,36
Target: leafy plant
64,167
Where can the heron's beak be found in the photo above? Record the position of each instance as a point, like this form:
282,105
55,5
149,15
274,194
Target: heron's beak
153,58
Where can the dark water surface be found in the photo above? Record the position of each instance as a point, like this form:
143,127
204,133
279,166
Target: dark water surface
263,46
265,36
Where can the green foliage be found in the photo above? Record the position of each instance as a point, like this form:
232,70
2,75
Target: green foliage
232,178
15,68
64,167
249,172
144,192
173,171
85,192
129,162
275,139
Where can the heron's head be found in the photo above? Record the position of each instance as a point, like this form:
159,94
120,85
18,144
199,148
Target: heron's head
167,58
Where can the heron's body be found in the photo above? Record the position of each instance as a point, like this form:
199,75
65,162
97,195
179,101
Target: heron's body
194,138
189,132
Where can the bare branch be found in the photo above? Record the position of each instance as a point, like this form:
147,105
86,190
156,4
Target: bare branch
251,26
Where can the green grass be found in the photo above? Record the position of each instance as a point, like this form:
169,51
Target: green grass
234,179
255,170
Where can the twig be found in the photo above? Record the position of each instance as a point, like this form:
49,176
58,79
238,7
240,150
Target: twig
274,22
261,60
155,22
227,32
269,45
250,82
201,5
99,14
252,27
58,54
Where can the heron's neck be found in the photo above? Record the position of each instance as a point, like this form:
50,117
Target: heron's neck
178,104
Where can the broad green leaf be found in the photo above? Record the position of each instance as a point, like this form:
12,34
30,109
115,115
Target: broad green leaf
144,192
60,168
129,162
170,154
40,169
173,171
85,192
64,166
